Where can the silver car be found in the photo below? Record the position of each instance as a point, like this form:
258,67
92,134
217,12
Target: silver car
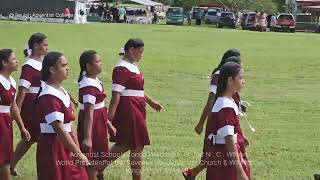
211,17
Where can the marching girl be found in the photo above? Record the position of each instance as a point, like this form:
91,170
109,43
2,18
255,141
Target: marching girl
232,55
58,155
8,111
30,82
127,109
224,158
93,117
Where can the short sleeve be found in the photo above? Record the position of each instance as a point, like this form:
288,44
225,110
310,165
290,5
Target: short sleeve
88,94
54,110
26,76
120,77
227,121
214,83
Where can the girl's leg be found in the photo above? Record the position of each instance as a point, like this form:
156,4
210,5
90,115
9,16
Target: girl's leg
115,152
21,149
196,170
5,172
136,163
92,173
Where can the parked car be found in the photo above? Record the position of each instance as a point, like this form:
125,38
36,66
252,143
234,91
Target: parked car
305,22
227,19
211,17
250,21
175,16
285,22
243,20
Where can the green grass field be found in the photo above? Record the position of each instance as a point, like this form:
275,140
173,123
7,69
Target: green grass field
282,81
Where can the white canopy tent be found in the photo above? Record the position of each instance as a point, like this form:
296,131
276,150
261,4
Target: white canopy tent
147,2
81,5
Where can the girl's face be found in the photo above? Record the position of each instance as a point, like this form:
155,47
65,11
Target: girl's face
12,63
136,53
95,65
41,48
237,82
60,71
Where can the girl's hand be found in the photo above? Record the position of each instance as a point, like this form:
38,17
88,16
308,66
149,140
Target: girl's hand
246,142
156,106
112,129
83,160
76,104
242,176
86,144
25,135
199,128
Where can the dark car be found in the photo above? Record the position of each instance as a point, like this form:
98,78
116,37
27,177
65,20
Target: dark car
243,20
250,21
227,19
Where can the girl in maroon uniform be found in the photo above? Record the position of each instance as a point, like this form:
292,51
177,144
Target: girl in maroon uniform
29,85
58,153
93,116
231,55
8,111
127,109
224,159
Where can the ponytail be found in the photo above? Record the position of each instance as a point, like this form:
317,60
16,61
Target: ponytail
85,58
81,74
34,39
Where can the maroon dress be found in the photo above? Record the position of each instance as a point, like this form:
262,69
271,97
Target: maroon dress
224,121
7,94
91,91
30,79
130,116
54,160
240,136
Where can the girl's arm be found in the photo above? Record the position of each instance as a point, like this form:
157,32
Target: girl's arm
154,104
88,121
113,104
206,110
15,112
234,156
68,142
112,128
75,102
20,96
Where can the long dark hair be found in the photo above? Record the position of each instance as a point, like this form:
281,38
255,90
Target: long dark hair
85,58
226,55
35,38
135,43
229,69
4,56
49,60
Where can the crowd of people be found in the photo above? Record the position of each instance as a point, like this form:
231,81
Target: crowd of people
44,112
116,14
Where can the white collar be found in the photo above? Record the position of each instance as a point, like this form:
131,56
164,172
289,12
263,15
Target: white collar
224,102
34,63
7,84
131,67
64,97
86,81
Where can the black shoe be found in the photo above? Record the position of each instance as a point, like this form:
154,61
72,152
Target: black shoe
187,175
100,176
14,173
316,177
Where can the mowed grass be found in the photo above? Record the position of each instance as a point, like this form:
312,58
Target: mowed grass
282,84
